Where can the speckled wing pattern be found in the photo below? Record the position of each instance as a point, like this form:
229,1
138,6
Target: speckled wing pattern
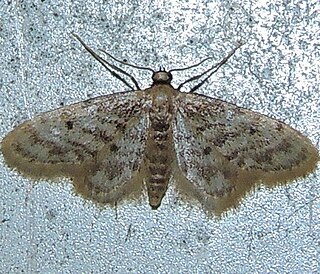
224,150
99,143
114,146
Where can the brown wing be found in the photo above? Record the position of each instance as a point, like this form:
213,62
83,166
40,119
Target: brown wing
99,143
224,150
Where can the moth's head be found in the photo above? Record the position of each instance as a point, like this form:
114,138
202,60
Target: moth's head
161,77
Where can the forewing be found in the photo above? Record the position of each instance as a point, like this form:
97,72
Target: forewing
99,143
224,150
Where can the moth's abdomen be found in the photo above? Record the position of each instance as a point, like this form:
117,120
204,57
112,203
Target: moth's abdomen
159,156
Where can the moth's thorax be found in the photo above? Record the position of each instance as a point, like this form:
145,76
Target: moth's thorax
162,96
159,148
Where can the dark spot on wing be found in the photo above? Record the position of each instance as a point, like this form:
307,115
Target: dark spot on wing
69,125
279,126
207,150
252,130
114,148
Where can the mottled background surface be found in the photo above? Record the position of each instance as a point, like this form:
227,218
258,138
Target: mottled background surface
46,228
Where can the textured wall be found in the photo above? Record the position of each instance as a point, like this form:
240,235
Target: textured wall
46,228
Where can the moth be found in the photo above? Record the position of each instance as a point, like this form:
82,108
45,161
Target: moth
115,146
